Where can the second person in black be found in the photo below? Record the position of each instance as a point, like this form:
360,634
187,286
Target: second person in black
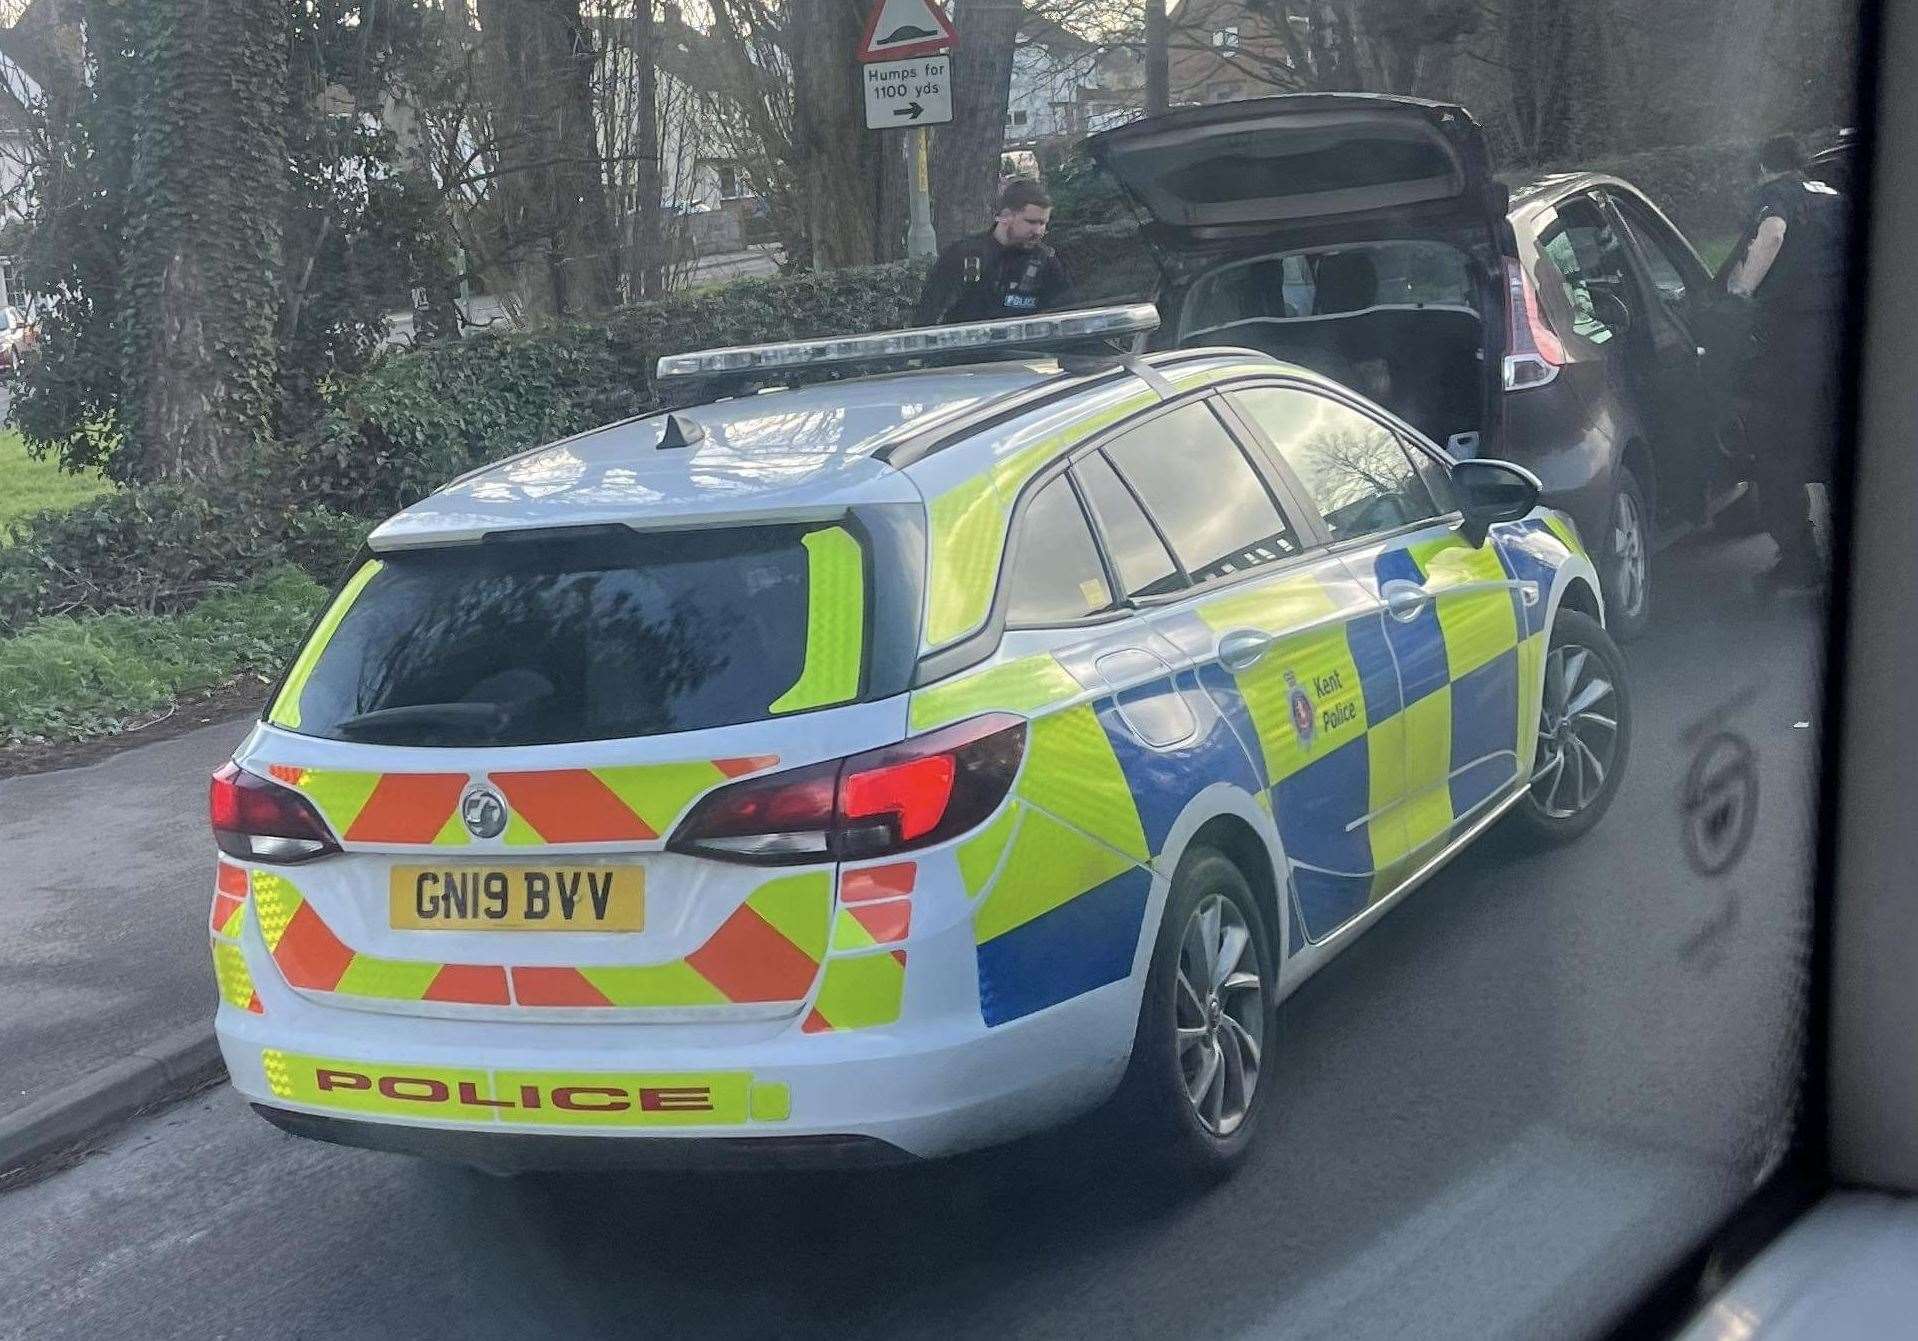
1006,271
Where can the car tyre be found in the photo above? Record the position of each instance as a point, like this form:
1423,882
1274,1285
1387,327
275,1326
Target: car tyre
1196,1084
1585,732
1626,546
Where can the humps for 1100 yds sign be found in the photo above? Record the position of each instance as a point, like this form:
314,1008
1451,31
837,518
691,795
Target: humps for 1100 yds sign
908,93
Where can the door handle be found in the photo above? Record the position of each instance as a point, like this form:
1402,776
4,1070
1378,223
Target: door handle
1242,648
1405,601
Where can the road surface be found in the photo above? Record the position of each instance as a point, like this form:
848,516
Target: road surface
1539,1080
105,878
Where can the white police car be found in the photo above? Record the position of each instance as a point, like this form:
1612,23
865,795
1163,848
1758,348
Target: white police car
893,764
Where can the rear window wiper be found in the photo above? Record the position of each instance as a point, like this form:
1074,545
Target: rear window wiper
488,717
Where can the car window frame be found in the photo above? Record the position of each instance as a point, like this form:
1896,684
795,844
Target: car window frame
1099,536
983,643
1552,221
1302,519
1409,438
1646,228
1116,608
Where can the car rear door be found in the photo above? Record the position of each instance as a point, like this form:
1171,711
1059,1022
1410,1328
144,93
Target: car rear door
1451,616
1285,644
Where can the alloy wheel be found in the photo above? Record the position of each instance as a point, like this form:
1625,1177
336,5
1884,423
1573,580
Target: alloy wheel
1628,552
1577,732
1220,1014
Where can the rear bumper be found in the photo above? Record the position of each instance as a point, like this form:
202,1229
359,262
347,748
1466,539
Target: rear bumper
502,1153
1555,434
935,1082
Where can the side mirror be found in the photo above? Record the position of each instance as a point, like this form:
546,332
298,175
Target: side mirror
1489,492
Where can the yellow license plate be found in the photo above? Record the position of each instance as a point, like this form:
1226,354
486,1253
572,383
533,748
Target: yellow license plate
517,898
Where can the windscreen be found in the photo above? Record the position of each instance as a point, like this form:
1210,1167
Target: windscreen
604,636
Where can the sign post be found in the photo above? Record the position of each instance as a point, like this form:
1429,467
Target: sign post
908,86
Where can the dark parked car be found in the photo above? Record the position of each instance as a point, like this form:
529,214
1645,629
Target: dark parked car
1560,326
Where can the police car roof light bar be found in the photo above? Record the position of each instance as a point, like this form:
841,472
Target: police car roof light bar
1037,333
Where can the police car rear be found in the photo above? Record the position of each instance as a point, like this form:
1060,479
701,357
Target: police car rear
590,808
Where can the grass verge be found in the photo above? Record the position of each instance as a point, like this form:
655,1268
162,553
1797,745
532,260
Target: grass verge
28,486
74,677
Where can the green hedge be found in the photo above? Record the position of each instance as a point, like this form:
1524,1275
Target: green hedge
69,677
422,416
1705,188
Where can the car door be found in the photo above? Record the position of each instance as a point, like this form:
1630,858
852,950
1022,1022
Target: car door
1450,617
1679,363
1285,642
1599,306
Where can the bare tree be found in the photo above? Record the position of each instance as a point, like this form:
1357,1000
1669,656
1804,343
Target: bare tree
539,61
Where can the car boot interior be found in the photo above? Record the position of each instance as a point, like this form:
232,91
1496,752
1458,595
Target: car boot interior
1395,322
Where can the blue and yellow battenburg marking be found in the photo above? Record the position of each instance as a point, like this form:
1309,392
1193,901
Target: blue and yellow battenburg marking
1370,739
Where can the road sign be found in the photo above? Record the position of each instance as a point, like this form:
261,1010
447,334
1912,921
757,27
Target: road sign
904,94
899,28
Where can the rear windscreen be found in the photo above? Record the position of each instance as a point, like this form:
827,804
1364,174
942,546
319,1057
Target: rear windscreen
1311,164
606,635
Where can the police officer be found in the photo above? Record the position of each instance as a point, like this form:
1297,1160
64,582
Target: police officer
1006,271
1791,268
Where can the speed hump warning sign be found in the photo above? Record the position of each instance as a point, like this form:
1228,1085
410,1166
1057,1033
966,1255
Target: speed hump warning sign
899,28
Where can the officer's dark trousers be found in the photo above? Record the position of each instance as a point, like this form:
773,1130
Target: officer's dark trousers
1794,394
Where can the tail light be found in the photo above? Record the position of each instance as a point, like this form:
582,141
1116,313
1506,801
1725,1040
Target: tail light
1533,351
258,820
911,795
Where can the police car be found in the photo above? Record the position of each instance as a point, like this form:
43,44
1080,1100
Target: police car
892,765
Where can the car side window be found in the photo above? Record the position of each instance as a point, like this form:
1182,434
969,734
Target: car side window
1590,262
1056,575
1358,474
1668,276
1143,563
1207,499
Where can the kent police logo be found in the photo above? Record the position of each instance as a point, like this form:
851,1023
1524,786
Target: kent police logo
1304,720
483,812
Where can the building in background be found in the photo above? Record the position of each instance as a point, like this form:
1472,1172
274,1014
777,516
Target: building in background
1066,85
1225,50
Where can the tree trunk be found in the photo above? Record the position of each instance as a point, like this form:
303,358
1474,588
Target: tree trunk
557,234
200,297
965,154
852,181
648,261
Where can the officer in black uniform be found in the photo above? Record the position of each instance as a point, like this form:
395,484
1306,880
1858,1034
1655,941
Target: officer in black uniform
1791,266
1006,271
